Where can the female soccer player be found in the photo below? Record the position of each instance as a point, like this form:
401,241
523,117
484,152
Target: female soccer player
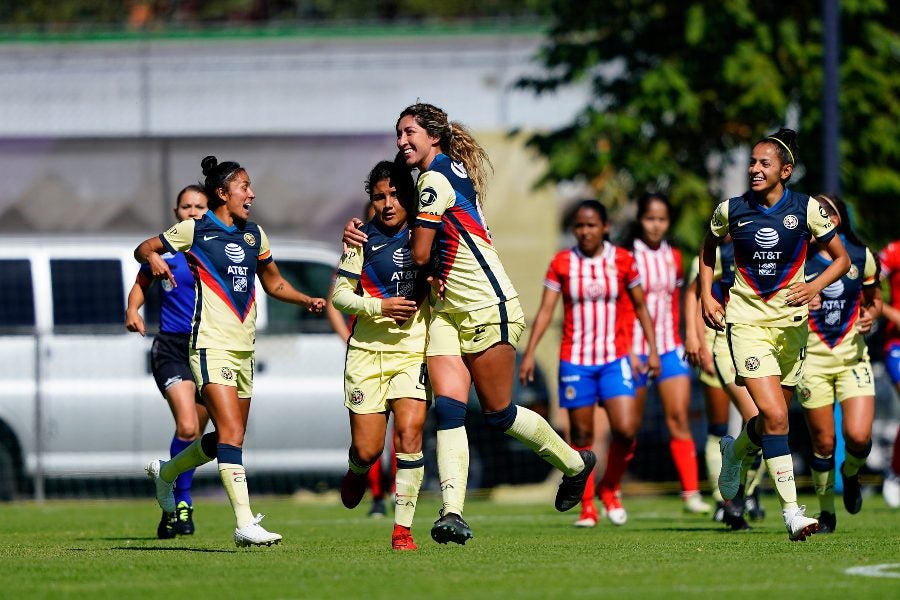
476,318
662,274
598,283
837,365
226,252
767,311
385,365
889,258
169,360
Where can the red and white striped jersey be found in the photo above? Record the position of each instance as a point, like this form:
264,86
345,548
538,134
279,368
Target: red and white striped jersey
890,270
598,316
662,276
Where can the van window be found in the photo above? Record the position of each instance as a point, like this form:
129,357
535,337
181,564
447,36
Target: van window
87,293
16,296
311,278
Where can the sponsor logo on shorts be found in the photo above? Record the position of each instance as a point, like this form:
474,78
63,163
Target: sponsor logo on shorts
806,393
479,334
571,378
356,397
250,239
570,392
790,222
227,374
752,363
166,285
172,381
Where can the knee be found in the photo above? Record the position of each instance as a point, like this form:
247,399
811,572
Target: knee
366,456
775,421
823,444
582,438
409,441
501,420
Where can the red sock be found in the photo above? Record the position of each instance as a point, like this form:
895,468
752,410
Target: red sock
587,497
895,459
374,476
685,457
620,454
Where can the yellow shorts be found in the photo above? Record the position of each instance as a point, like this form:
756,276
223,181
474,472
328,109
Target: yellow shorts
223,367
822,381
722,359
768,351
456,334
706,378
372,379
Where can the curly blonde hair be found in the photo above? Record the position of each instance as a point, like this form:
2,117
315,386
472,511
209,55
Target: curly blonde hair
455,141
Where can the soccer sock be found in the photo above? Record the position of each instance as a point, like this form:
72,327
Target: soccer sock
185,479
374,476
354,466
713,464
778,459
620,454
532,430
587,497
684,454
748,441
822,468
234,478
452,452
190,458
754,474
854,461
410,471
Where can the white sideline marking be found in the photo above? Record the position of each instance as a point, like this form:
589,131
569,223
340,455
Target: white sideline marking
876,570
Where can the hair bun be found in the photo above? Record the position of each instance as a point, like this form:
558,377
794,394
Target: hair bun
208,164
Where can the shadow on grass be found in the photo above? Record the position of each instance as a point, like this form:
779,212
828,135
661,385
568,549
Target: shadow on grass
172,548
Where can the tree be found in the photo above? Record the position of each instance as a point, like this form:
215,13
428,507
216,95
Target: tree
678,87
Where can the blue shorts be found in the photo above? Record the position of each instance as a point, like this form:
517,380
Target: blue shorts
671,364
581,385
892,362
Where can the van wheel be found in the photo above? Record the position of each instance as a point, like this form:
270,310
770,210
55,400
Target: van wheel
8,486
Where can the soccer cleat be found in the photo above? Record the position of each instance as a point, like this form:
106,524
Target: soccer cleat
852,493
694,504
378,510
730,475
890,489
166,528
733,515
613,509
588,516
184,519
402,538
799,526
164,493
253,534
353,488
450,527
719,514
753,507
572,488
827,522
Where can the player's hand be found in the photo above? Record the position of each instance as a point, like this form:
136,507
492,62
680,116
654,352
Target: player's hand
816,302
692,350
800,293
398,308
865,321
437,284
316,305
352,234
653,364
526,369
706,362
159,268
134,322
713,313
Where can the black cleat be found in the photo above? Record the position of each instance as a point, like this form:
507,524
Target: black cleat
852,493
571,489
451,527
753,508
184,519
827,522
733,515
166,528
719,514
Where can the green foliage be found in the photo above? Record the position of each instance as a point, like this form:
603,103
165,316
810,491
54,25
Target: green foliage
679,87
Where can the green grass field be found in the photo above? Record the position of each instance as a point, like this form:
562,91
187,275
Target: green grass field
108,549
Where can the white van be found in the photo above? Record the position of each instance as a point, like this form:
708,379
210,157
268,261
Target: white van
77,399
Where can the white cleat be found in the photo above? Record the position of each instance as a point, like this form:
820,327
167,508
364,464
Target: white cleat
254,534
586,521
164,490
891,490
617,516
694,504
799,526
730,475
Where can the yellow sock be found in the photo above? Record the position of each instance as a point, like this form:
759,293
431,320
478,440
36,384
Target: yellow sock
781,470
189,458
824,484
753,478
453,467
713,464
532,430
234,478
410,471
853,463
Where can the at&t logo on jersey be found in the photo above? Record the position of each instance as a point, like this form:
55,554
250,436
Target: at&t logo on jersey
234,253
766,237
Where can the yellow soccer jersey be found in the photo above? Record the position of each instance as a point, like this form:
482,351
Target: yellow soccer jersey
223,260
469,264
769,252
382,268
833,338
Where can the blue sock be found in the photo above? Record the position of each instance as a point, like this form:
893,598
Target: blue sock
184,481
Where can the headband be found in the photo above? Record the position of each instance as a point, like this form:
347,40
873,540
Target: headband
791,154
